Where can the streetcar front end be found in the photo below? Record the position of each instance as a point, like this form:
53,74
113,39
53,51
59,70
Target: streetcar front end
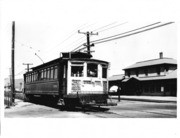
87,81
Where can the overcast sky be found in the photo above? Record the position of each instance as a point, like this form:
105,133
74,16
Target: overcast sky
48,27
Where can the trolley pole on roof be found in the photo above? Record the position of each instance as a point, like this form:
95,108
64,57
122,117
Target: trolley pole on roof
88,45
39,58
12,64
27,66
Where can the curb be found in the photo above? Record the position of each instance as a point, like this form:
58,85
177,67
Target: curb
146,100
149,100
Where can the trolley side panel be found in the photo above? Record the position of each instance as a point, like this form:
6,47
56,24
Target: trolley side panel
49,88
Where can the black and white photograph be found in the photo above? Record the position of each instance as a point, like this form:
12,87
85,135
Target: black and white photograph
89,68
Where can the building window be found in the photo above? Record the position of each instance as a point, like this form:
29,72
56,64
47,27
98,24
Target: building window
167,69
158,70
146,71
137,73
128,73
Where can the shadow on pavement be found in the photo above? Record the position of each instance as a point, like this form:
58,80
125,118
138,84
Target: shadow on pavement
87,108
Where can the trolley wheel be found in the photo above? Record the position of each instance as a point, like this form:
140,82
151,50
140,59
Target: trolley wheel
26,98
70,104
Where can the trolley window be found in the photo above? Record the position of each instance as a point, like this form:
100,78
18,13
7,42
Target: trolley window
29,77
35,76
44,74
104,71
32,77
52,73
48,73
55,72
77,69
41,75
92,70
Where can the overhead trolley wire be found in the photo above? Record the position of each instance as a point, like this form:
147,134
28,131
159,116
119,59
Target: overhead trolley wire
134,33
21,72
113,27
103,30
27,56
77,48
126,32
72,34
104,26
148,29
119,34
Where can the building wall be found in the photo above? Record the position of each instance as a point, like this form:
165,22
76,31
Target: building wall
151,87
151,71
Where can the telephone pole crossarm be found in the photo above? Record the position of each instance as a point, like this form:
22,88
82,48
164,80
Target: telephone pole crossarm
27,65
88,45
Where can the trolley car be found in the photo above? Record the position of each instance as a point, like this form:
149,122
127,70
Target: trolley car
73,79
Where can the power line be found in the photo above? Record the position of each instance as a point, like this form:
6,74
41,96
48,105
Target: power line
26,45
72,44
102,31
29,47
77,48
134,33
104,26
126,32
78,43
113,27
72,34
118,34
131,34
88,45
19,73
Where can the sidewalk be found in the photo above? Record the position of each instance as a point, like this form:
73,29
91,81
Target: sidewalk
18,103
147,98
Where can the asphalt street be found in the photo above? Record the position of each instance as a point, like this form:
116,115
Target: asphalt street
124,109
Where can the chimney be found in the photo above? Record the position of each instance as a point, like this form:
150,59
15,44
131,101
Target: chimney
161,55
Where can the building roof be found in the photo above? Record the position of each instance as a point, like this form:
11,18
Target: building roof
172,75
152,62
116,77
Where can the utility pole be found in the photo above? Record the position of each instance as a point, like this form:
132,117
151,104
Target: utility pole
27,66
88,45
12,64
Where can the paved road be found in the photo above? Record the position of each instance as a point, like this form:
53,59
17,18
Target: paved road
124,109
137,109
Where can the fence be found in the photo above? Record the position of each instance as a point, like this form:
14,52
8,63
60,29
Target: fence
7,97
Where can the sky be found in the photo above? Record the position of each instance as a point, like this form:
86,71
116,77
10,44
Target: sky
48,27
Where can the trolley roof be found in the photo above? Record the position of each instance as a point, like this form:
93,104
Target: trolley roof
75,56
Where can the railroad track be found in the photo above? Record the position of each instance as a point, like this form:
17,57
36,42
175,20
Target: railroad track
102,112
